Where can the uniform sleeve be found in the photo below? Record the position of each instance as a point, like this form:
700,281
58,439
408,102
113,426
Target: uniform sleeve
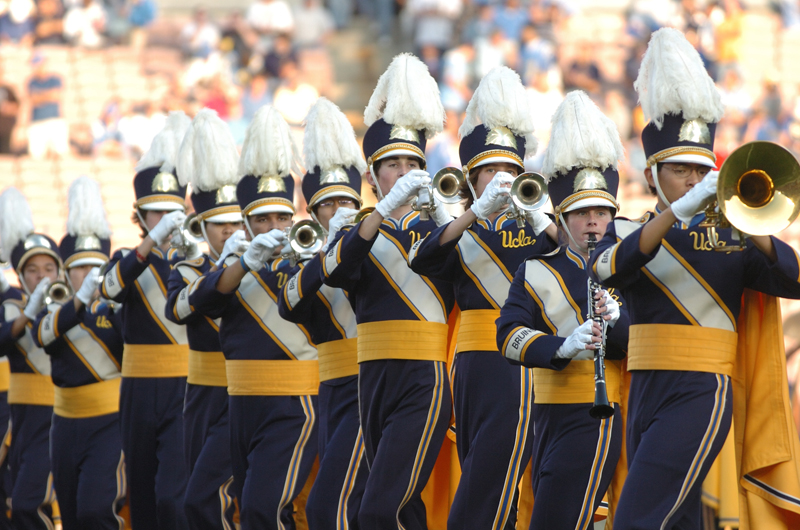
517,338
294,301
121,272
205,299
430,258
617,336
52,325
781,278
618,263
341,265
6,338
179,289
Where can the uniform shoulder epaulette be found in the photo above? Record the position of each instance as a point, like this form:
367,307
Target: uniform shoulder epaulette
196,263
551,254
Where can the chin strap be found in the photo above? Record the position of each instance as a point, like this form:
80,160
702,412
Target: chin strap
471,189
214,253
654,169
569,234
316,220
378,190
141,220
247,225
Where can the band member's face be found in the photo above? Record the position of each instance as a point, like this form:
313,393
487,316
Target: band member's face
264,222
487,173
677,179
78,274
590,220
218,234
391,170
328,207
152,217
39,267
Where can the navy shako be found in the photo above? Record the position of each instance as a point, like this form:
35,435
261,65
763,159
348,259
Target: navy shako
156,185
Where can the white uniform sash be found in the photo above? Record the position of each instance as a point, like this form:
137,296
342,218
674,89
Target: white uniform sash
37,358
341,310
182,306
558,307
156,301
488,273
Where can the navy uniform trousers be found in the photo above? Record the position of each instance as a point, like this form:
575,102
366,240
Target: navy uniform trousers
574,458
494,436
271,437
401,442
5,480
151,415
335,498
677,421
29,464
207,439
88,471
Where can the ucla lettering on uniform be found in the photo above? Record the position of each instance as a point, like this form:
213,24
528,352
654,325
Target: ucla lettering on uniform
699,241
103,322
521,240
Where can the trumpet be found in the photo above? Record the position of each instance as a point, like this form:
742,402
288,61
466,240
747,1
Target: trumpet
362,213
305,237
444,188
190,232
601,408
58,293
758,193
528,193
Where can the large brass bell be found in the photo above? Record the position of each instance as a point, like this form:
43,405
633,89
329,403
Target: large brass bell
528,193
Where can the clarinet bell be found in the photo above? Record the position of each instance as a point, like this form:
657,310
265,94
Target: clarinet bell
601,408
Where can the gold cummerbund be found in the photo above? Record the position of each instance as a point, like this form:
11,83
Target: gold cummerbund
88,401
337,358
30,389
574,384
207,368
155,360
681,347
5,376
412,340
272,378
477,330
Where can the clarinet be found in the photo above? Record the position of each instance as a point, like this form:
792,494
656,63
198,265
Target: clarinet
601,408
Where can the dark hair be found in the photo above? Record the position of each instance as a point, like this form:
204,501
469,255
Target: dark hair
135,220
653,190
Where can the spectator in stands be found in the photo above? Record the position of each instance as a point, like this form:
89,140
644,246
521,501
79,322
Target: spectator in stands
479,27
442,149
456,83
494,51
280,54
536,54
239,39
317,23
199,38
293,99
47,132
270,17
511,18
106,136
141,13
9,109
17,22
735,98
215,98
85,23
434,23
50,22
255,96
545,96
583,73
138,125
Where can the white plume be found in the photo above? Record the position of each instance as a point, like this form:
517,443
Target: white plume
581,136
164,148
408,96
673,80
16,221
501,101
329,139
268,146
86,210
208,157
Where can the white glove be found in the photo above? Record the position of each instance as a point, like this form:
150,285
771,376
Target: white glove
440,215
192,250
343,216
36,299
495,195
696,199
405,188
612,308
262,247
89,286
4,286
166,226
538,220
574,347
235,244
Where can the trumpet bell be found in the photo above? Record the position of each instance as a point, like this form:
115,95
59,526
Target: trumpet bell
362,213
446,185
58,293
758,190
306,236
192,228
529,191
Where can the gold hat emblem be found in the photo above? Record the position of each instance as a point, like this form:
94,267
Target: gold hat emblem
408,134
90,242
501,136
271,184
226,194
164,183
589,179
36,240
336,175
696,131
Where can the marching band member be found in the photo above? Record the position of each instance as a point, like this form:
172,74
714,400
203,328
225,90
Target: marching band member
332,189
85,347
685,301
155,360
208,158
404,395
30,395
272,369
6,291
478,253
544,324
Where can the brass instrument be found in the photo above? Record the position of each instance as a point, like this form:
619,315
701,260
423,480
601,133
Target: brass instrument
305,237
362,213
528,193
758,193
5,265
444,187
58,293
191,232
601,408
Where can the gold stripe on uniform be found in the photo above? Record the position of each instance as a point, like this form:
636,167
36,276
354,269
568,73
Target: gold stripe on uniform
574,384
272,378
477,330
207,368
30,389
413,340
5,375
683,348
88,401
337,358
155,360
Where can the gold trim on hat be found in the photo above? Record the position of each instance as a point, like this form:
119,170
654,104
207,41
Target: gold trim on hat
695,130
477,159
160,198
395,147
400,132
230,208
586,194
344,191
271,184
501,136
164,183
225,194
35,251
84,255
681,150
276,201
